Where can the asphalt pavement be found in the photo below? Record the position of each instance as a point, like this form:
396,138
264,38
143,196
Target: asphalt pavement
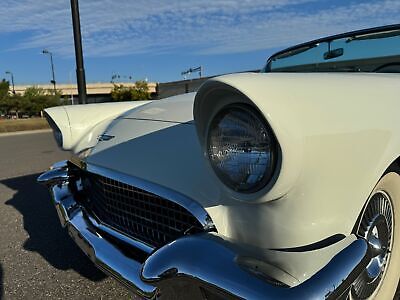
38,260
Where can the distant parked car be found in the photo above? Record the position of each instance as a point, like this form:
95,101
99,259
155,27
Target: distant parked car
282,184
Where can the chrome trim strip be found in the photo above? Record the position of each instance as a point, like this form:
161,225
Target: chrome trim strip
189,204
116,234
333,239
63,164
65,204
108,257
54,176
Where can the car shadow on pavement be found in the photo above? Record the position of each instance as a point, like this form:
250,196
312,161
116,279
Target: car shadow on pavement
1,283
46,236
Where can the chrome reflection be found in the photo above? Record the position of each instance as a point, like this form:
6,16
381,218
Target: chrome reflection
54,176
206,258
376,227
241,148
108,257
185,257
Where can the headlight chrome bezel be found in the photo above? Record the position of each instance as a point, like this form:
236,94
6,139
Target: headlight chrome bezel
56,130
274,151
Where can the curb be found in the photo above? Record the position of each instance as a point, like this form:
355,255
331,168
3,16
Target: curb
4,134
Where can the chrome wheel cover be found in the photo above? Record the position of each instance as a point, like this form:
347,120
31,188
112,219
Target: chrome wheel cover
376,227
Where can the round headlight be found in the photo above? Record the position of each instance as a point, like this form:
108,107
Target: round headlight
241,148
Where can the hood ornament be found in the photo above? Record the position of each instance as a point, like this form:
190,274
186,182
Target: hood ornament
105,137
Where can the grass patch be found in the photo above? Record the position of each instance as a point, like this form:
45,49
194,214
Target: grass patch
23,124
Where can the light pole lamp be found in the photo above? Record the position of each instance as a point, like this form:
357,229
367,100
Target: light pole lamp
191,70
12,80
53,81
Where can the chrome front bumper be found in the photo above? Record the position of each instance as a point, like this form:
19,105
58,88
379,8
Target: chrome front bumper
206,259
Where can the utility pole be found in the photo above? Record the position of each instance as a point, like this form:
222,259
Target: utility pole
71,83
12,81
53,81
80,71
191,70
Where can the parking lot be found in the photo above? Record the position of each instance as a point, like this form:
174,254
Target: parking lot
38,260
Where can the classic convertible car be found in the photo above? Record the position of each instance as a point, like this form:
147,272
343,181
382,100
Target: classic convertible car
282,184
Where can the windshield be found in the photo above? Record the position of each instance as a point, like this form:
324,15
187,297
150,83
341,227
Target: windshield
376,51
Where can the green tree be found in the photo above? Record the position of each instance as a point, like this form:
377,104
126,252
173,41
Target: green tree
138,92
18,104
37,99
121,93
141,91
4,88
31,103
4,99
5,105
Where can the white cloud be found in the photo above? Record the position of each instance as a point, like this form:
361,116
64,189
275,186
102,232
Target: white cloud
113,28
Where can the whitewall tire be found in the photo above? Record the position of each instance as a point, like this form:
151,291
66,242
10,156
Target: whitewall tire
380,225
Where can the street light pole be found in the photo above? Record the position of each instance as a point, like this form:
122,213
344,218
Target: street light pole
80,71
12,81
71,83
191,70
53,81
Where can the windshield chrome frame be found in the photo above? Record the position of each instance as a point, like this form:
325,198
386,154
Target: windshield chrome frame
267,68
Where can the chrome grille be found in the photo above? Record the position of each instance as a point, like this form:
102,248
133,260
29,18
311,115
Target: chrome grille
136,212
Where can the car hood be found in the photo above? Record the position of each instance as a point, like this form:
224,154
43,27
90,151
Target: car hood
177,109
157,142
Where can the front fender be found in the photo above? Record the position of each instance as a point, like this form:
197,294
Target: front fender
78,126
338,133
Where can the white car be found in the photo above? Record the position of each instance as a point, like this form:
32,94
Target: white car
282,184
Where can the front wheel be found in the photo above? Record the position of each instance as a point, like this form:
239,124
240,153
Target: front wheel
380,226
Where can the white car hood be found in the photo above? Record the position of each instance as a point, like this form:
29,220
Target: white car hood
158,142
177,109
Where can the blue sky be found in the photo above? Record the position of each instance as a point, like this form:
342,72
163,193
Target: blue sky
159,39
